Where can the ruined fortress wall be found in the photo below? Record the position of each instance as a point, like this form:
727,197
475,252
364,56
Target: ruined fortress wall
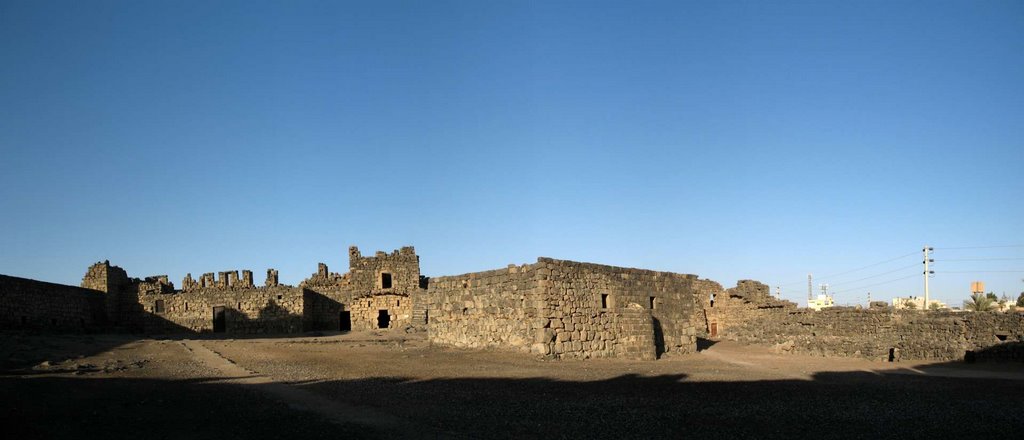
494,309
261,310
37,305
366,311
874,334
322,306
402,265
595,310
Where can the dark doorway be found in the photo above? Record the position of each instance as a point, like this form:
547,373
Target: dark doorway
383,319
659,338
345,319
220,324
385,281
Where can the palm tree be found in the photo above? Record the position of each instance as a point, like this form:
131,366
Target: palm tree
979,303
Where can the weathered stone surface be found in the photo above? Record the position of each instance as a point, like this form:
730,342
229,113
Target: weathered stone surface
748,314
556,308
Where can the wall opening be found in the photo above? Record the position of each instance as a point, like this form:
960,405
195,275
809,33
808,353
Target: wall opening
383,319
1001,336
659,338
158,307
604,300
385,280
653,301
239,306
398,303
345,321
278,297
220,324
186,306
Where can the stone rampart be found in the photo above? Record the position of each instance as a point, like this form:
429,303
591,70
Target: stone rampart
40,306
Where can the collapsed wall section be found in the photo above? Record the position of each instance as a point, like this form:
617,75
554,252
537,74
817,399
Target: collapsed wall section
40,306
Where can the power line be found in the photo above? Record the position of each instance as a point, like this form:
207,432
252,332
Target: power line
981,259
871,265
981,271
878,275
983,247
877,283
857,269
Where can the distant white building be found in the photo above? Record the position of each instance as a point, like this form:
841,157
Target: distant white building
821,302
916,303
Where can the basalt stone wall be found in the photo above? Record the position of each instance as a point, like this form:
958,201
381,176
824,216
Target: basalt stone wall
325,295
41,306
322,306
492,309
261,310
566,309
367,311
877,334
592,310
400,269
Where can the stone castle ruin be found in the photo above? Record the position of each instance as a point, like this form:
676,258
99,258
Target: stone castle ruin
554,308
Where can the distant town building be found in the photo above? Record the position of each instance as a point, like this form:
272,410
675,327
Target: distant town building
821,302
916,303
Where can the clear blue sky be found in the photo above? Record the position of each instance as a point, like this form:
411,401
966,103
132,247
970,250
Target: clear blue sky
733,140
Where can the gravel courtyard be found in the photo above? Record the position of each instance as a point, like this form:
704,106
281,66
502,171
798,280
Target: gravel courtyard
395,385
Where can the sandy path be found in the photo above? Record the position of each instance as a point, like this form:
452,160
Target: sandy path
338,412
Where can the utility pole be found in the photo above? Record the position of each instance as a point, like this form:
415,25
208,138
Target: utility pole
810,293
927,272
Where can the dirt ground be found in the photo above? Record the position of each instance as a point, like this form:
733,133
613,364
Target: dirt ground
395,385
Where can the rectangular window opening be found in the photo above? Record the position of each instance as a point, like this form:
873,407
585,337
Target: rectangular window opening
385,280
653,302
159,306
604,300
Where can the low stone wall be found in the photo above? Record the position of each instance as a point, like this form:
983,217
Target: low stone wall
262,310
876,334
40,306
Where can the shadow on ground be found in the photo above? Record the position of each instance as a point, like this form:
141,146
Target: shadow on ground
832,405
